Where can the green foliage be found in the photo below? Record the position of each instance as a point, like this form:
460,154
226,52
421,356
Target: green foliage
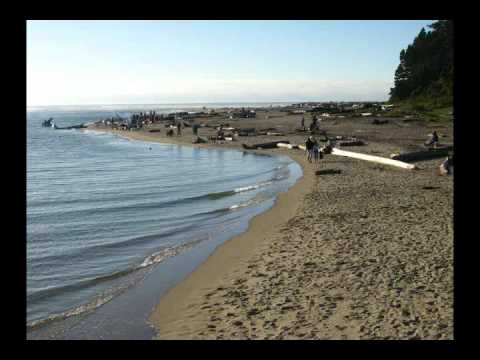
425,73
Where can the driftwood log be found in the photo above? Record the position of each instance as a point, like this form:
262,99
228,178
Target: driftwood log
376,159
351,143
433,153
287,146
269,145
379,121
81,126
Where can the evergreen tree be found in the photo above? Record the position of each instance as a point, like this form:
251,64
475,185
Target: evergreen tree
426,66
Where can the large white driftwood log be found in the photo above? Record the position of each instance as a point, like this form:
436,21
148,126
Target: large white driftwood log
377,159
288,146
302,147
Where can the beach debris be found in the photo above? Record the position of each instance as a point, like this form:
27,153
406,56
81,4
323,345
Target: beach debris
215,138
200,140
430,187
275,134
351,142
269,145
379,121
154,130
377,159
246,132
432,153
328,172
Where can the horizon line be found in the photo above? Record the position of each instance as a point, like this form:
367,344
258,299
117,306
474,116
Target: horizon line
212,102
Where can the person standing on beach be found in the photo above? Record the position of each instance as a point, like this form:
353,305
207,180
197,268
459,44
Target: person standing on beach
195,129
179,128
315,150
313,125
303,122
309,148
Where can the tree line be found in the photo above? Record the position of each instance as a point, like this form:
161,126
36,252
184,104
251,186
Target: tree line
425,72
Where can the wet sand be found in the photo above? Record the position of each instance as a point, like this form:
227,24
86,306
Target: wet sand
361,252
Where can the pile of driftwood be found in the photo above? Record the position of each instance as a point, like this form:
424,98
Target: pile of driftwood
397,160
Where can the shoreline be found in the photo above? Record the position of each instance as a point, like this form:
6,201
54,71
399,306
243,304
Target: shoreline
229,254
347,257
226,257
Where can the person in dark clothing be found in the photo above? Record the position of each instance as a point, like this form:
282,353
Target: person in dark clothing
313,125
433,140
446,168
195,129
315,150
309,148
179,129
303,123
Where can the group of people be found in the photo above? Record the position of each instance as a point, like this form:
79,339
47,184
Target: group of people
147,118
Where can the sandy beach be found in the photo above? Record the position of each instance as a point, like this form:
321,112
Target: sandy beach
361,252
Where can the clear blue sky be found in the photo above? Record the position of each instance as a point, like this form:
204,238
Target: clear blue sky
132,62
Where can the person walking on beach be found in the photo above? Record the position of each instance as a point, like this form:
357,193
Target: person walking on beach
309,148
303,123
313,125
179,128
315,150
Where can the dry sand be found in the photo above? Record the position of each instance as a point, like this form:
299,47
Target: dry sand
366,253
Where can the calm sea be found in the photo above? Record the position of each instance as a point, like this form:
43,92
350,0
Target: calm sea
103,211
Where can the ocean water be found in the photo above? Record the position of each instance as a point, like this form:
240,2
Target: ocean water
104,211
